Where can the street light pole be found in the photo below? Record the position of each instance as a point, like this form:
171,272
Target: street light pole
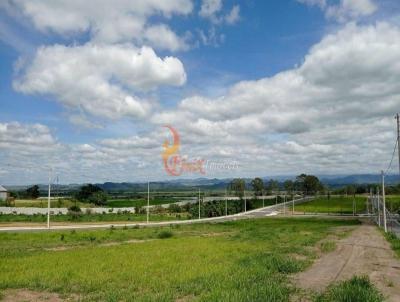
379,207
48,202
384,202
226,203
148,201
199,206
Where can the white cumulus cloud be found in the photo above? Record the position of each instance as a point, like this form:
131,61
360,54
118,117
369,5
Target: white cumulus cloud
99,78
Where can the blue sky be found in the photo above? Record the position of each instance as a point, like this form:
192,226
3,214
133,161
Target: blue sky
277,87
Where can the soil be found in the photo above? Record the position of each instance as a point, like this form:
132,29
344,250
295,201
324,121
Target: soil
26,295
364,252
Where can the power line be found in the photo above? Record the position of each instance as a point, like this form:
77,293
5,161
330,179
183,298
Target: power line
391,161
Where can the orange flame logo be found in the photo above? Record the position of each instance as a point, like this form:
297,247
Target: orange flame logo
174,164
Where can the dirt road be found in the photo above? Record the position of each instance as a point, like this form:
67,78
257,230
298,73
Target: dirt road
364,252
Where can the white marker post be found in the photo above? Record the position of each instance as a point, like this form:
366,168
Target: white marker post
384,202
148,201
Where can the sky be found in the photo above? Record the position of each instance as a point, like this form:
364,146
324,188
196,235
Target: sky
252,88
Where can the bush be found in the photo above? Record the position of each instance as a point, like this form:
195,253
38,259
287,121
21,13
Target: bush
174,208
165,234
74,211
74,208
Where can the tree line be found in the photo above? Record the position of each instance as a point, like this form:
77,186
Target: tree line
303,183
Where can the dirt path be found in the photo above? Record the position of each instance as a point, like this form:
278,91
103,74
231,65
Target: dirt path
364,252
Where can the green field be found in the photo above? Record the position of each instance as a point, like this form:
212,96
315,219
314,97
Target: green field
248,260
334,205
393,203
42,203
120,203
109,217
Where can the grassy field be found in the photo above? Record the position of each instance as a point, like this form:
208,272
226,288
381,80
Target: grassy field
393,203
42,203
109,217
119,203
334,205
249,260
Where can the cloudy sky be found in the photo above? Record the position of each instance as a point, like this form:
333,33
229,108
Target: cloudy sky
259,87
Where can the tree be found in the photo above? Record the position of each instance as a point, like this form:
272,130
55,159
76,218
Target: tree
351,190
91,193
238,186
289,186
308,184
99,198
258,186
272,186
33,192
299,182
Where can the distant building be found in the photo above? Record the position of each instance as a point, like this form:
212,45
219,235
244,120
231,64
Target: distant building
3,193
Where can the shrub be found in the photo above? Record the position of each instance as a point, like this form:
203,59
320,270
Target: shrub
165,234
174,208
74,211
74,208
357,289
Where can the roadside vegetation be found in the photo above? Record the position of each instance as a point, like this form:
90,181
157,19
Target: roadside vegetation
233,261
84,217
394,241
357,289
334,205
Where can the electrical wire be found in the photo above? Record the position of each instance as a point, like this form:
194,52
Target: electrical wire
394,151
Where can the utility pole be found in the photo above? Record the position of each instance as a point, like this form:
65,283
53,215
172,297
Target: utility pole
48,202
398,138
292,204
199,205
245,201
384,203
379,207
369,200
148,201
284,205
226,203
262,193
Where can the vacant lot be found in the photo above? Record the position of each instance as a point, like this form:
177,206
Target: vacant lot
83,217
249,260
334,205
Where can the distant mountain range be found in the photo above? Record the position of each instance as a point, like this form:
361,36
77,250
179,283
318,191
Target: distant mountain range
216,183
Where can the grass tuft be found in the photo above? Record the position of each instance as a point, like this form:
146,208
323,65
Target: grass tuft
328,246
357,289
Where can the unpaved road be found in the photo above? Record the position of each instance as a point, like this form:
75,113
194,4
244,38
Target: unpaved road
364,252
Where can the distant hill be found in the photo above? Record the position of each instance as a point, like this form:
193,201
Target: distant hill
334,181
